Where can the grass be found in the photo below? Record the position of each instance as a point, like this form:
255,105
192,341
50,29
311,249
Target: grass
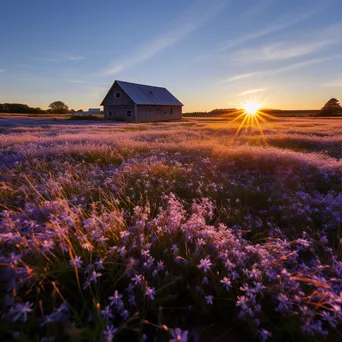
46,115
170,231
86,117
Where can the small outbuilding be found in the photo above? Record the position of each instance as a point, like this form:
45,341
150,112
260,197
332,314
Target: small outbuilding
134,102
95,111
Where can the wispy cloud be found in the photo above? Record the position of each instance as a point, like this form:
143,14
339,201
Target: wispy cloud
61,58
258,7
308,43
98,92
302,64
85,82
333,83
282,51
189,21
2,70
238,77
252,91
78,81
277,26
73,58
286,68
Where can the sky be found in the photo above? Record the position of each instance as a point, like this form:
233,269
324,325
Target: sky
209,53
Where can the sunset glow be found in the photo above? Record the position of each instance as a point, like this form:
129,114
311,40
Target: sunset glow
251,108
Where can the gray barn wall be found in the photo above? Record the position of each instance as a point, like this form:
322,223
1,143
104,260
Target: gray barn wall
119,113
118,105
151,113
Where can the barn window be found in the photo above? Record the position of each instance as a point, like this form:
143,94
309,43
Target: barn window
166,111
129,113
171,110
117,94
109,113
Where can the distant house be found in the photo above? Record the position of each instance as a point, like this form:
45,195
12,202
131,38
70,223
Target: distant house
140,103
94,111
91,111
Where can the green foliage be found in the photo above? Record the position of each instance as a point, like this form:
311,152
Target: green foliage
58,107
332,103
331,108
20,108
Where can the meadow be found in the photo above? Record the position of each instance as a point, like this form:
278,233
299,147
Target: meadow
183,231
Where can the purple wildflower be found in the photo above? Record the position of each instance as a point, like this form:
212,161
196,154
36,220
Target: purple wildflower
21,310
124,314
107,313
94,276
115,300
264,334
131,300
76,262
109,333
99,264
226,282
205,264
174,249
179,335
150,292
47,245
209,299
160,265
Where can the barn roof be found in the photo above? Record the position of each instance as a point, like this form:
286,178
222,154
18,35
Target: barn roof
146,95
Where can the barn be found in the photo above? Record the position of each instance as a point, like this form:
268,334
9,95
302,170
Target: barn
134,102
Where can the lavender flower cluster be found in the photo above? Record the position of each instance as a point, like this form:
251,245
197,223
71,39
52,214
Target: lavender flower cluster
137,238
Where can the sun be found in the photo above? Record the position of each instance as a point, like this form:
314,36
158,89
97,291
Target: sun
251,108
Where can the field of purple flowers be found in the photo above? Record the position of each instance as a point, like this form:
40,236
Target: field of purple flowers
170,231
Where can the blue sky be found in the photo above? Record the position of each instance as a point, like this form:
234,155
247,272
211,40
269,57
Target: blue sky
210,54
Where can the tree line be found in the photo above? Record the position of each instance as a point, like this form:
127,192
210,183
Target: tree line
20,108
56,107
331,108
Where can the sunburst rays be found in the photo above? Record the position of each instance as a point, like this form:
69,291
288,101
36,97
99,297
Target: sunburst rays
252,118
243,121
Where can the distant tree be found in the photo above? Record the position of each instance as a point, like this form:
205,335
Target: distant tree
331,108
80,111
332,103
58,107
